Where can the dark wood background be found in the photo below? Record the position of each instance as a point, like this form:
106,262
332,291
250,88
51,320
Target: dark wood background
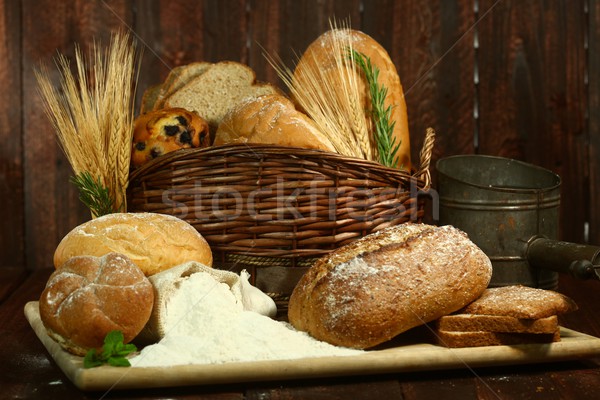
518,79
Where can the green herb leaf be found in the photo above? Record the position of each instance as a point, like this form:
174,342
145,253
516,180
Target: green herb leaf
386,142
119,362
113,352
93,194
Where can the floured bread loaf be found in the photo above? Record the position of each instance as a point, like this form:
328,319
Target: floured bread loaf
271,119
381,285
154,242
168,283
87,297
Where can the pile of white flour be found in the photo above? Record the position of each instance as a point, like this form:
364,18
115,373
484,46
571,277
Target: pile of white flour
205,325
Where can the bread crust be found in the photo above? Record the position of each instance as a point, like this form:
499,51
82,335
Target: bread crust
520,301
271,119
154,242
386,283
320,53
90,296
475,339
496,323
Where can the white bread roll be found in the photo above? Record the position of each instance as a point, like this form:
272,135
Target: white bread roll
87,297
154,242
271,119
381,285
321,54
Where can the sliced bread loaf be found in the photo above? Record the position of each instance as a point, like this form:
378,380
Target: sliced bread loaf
218,90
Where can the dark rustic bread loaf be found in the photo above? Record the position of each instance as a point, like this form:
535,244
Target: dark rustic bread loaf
379,286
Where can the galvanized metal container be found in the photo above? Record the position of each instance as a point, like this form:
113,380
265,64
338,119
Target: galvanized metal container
501,204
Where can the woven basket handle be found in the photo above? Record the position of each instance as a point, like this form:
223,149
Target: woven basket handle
425,155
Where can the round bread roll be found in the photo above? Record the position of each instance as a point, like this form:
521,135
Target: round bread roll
154,242
162,131
90,296
381,285
271,119
320,54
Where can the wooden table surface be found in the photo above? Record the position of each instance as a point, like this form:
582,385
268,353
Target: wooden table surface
28,372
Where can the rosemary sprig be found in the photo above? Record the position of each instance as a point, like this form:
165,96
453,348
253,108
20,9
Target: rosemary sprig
386,142
93,194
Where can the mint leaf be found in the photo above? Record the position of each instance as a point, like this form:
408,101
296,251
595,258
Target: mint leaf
119,362
113,352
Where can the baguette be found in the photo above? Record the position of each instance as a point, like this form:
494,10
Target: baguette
383,284
320,55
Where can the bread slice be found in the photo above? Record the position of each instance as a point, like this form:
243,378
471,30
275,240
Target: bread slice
149,98
271,119
218,90
493,323
179,77
475,339
520,302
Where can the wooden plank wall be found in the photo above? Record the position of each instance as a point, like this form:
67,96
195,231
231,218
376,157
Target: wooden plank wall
517,79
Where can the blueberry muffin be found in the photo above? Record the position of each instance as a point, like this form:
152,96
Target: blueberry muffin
162,131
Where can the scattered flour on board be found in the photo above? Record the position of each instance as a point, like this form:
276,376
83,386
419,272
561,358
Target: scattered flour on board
205,325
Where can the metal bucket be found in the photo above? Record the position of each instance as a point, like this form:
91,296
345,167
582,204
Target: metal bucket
501,204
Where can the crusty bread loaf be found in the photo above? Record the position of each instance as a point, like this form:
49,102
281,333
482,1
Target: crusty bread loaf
320,54
217,90
154,242
87,297
496,323
270,119
474,339
381,285
520,301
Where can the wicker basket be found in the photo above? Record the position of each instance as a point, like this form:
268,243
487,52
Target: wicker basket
266,205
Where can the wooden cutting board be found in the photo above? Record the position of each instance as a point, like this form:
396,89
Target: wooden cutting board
403,358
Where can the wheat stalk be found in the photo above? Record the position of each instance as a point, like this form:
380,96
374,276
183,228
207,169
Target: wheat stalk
332,97
92,114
